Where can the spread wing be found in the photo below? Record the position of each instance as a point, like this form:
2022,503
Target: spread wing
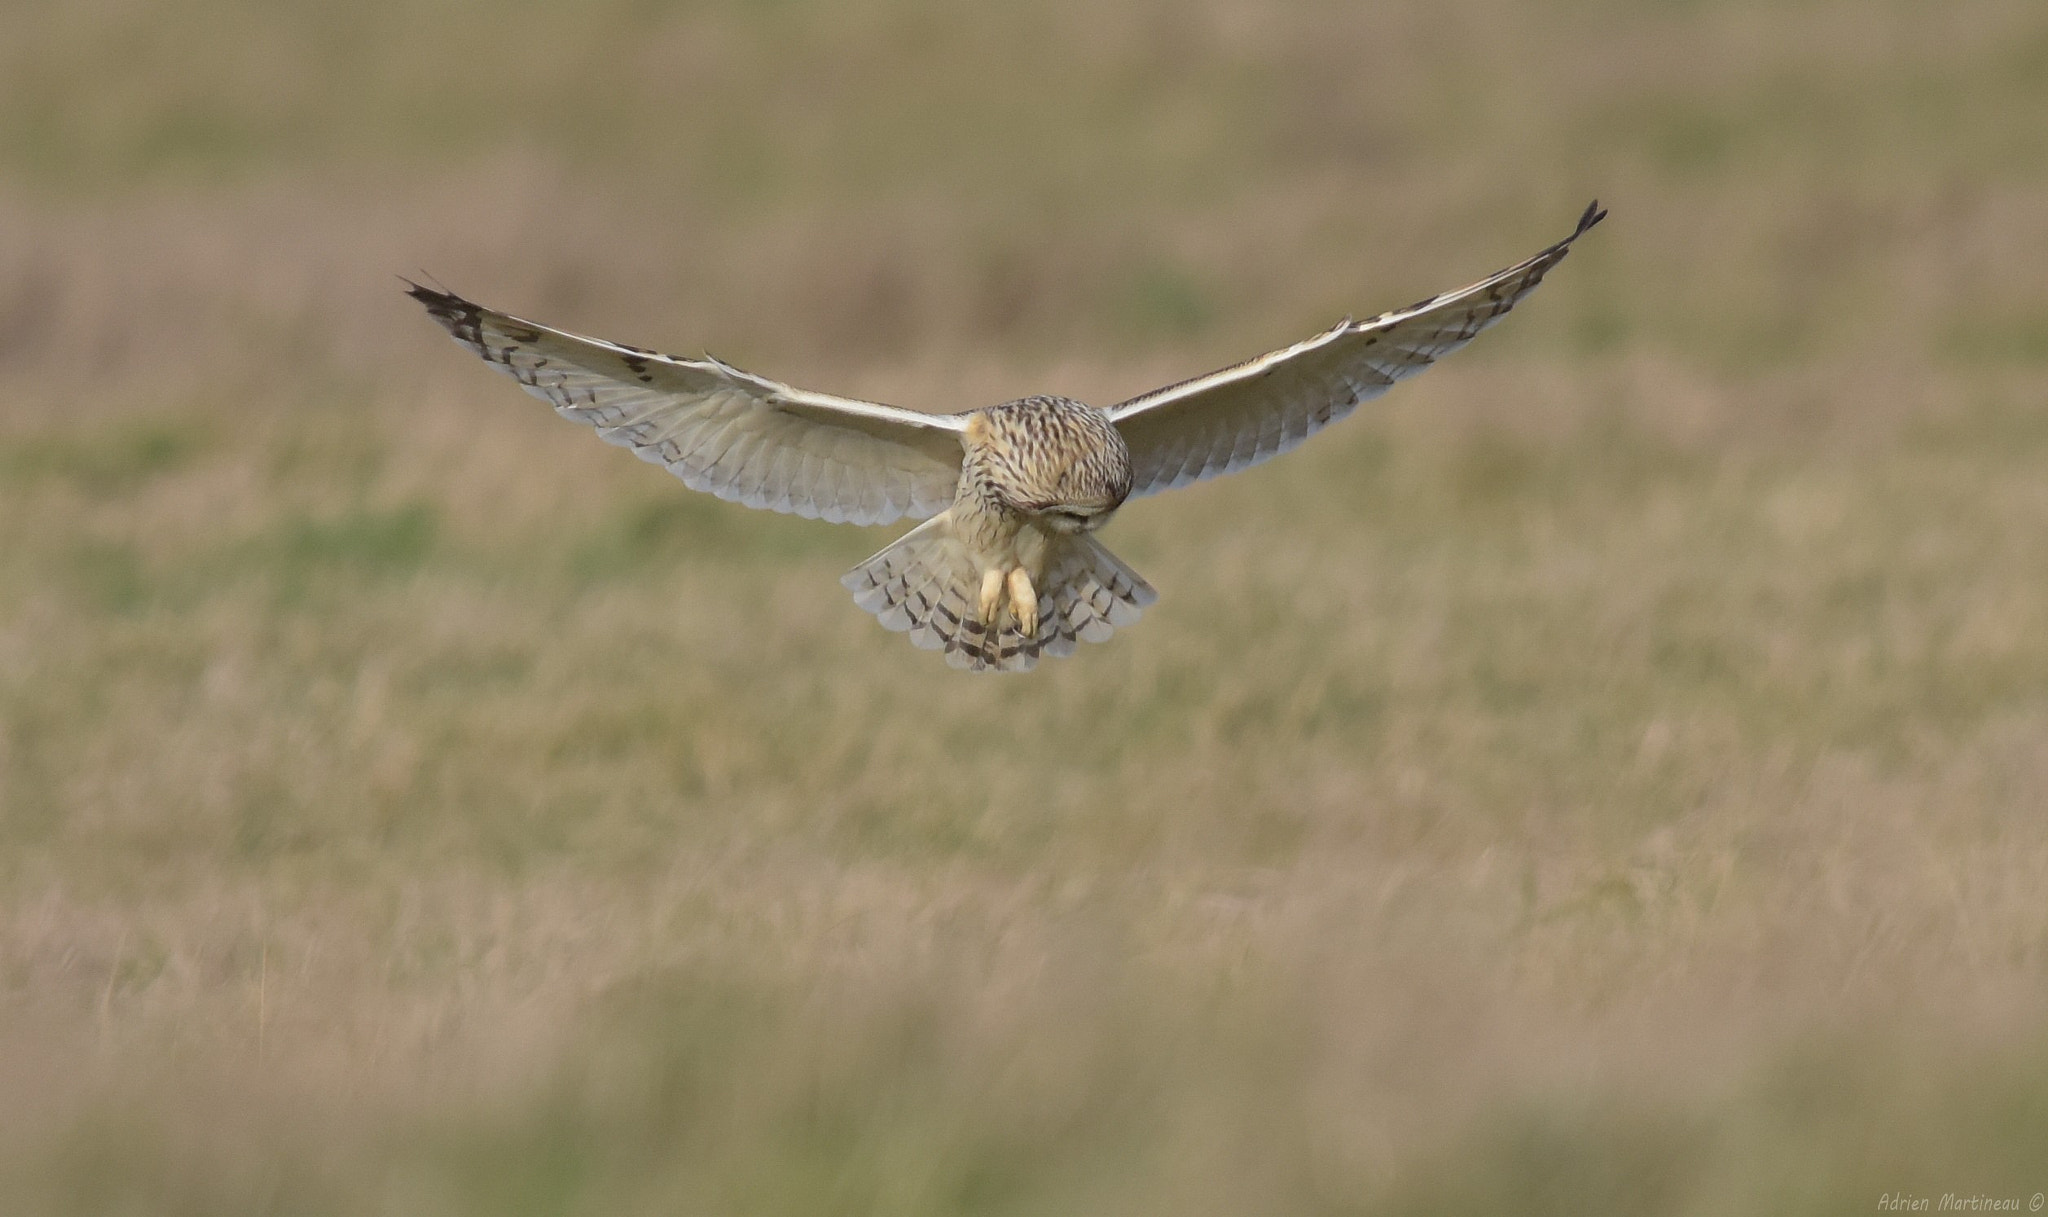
742,437
1235,418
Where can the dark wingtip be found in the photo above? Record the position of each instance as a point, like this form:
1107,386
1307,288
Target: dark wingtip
458,316
1594,214
428,296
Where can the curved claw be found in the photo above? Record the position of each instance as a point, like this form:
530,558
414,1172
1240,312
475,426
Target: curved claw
1024,601
991,595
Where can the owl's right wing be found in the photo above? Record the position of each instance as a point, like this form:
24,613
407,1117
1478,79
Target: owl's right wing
739,436
1253,411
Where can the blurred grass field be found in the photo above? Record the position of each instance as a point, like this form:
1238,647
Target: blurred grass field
1607,775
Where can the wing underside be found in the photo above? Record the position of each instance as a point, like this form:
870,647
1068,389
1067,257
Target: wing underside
731,433
1251,412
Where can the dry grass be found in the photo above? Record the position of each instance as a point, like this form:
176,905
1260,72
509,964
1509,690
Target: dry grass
1607,777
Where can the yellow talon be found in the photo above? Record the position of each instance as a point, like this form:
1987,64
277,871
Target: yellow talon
1024,601
991,596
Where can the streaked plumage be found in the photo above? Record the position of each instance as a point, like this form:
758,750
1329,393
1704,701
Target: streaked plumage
1004,569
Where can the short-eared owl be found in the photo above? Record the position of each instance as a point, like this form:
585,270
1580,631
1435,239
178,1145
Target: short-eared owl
1005,567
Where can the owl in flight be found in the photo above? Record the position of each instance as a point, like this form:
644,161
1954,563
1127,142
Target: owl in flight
1006,566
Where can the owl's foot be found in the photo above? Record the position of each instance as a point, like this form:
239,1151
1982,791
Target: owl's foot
991,596
1024,602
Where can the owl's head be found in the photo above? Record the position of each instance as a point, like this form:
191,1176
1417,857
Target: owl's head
1055,458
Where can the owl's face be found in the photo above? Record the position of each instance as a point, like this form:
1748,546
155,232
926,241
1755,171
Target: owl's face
1071,520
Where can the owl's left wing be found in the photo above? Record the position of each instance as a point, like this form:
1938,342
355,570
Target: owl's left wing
737,435
1237,417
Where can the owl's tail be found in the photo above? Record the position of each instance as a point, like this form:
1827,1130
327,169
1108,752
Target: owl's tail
928,583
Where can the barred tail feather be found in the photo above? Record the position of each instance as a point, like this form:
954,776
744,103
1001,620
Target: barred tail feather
928,583
1087,595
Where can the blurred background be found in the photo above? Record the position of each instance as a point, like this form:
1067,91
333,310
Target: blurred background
1605,775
